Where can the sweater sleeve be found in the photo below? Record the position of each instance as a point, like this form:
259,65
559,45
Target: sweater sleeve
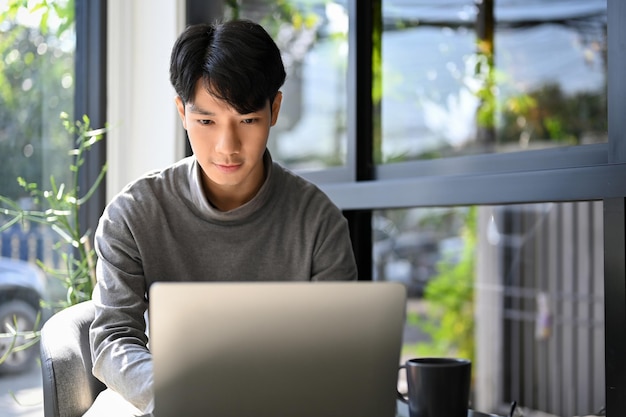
118,338
333,257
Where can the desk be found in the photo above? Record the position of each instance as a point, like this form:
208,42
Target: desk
403,411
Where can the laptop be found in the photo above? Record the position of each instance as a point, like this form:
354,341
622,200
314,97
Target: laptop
276,349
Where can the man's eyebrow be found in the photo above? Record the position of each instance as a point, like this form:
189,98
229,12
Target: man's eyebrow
199,110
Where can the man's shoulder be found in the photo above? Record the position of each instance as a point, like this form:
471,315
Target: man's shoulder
172,175
157,185
297,188
291,179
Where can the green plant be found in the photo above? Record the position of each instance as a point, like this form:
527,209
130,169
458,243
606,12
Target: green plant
20,340
58,208
63,11
449,296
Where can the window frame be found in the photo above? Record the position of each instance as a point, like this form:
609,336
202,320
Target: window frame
90,98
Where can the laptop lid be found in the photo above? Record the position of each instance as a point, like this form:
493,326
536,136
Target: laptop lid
276,349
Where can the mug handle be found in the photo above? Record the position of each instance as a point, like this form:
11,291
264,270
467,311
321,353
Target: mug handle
402,397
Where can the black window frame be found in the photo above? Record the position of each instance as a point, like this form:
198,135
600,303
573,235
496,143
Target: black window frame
90,96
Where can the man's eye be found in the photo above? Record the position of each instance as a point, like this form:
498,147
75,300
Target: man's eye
248,121
205,122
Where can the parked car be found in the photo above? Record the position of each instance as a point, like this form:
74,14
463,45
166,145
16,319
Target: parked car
410,257
22,287
406,257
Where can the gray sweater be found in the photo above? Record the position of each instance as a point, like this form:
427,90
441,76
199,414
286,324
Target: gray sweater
162,228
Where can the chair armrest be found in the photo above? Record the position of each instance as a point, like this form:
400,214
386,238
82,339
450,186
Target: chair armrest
69,387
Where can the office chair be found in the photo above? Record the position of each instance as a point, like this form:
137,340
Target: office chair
69,387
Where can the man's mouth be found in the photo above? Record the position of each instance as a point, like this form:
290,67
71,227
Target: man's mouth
229,167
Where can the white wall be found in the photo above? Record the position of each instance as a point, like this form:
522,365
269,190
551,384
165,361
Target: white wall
146,132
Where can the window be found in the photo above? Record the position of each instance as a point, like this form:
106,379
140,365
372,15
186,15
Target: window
37,85
45,71
500,77
533,179
518,289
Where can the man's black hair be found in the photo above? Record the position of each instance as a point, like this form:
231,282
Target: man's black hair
237,60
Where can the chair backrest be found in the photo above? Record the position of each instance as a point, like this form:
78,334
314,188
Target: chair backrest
69,387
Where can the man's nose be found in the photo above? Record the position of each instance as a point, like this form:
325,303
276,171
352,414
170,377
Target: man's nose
228,142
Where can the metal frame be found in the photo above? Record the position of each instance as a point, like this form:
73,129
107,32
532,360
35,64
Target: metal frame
615,218
364,17
90,98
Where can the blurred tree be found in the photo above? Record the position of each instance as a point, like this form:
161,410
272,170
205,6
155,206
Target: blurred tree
555,116
36,85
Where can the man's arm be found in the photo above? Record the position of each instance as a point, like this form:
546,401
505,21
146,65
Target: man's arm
118,334
333,257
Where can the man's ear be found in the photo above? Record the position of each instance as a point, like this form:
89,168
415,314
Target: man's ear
276,107
180,106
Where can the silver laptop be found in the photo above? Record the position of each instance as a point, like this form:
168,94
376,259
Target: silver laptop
276,349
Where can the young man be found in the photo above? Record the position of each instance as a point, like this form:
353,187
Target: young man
227,213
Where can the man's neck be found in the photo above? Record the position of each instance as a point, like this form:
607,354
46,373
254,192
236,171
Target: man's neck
226,198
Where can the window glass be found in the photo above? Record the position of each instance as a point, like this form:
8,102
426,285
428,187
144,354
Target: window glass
456,82
518,289
312,35
37,44
37,84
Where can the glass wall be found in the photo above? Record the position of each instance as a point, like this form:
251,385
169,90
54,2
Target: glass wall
493,76
518,289
37,83
471,155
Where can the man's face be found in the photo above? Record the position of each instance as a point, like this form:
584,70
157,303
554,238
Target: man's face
228,146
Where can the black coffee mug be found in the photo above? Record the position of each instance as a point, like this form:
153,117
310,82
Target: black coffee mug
437,387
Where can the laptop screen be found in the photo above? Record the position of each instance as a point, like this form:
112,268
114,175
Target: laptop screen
306,349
